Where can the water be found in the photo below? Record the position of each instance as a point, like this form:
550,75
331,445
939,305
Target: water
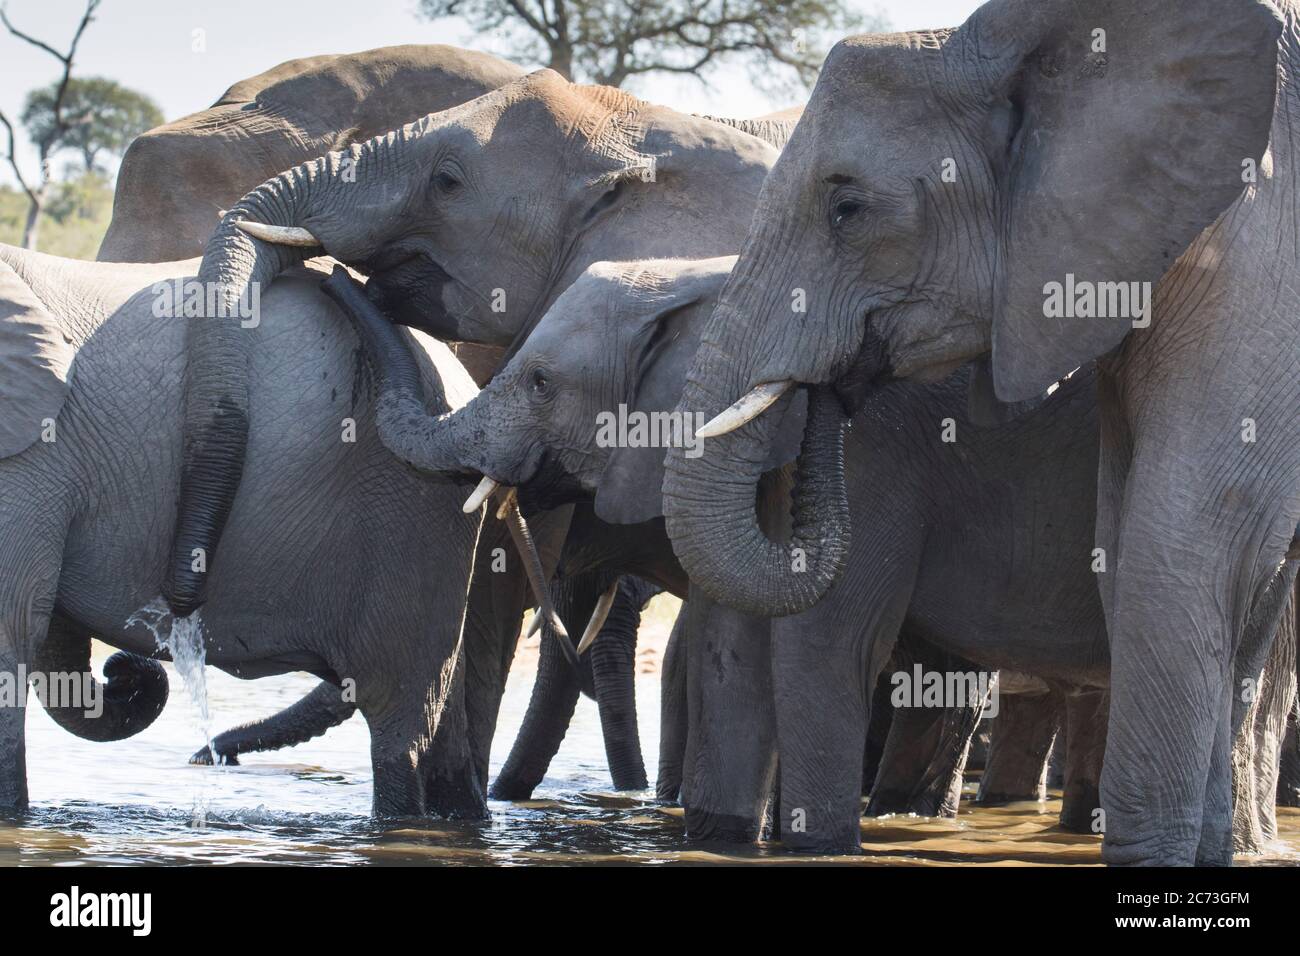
133,802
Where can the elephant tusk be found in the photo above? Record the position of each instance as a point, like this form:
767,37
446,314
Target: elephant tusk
479,495
534,625
598,617
537,577
280,235
747,409
509,500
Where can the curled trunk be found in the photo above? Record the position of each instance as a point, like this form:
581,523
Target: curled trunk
132,698
710,509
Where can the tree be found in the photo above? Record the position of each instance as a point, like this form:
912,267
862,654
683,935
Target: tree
36,194
98,115
608,41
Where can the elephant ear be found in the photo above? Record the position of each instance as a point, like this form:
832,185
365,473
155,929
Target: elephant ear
35,359
663,347
1137,119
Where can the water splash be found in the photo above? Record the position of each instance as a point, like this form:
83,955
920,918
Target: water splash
182,639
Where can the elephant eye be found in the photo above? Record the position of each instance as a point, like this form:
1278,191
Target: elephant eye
446,183
540,381
846,209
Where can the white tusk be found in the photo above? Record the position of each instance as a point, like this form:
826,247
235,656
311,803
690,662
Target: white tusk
747,409
479,495
598,617
535,624
280,235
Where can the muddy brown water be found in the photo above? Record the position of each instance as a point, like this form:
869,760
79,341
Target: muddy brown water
138,801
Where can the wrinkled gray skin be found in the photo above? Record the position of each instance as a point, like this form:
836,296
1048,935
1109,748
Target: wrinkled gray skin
1123,166
933,522
701,168
469,222
176,180
342,582
186,172
565,166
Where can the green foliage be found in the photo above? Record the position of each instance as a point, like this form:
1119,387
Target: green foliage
608,41
100,116
75,219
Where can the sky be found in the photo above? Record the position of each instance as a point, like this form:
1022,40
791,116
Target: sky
149,45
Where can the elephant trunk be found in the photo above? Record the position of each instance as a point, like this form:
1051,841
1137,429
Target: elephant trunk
234,271
443,442
711,516
133,697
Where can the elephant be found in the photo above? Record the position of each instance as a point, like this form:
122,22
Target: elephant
934,518
941,197
474,219
325,572
627,175
185,173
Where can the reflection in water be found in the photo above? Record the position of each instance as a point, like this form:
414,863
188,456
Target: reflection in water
134,802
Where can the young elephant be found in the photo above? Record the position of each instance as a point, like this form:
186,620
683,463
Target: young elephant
341,582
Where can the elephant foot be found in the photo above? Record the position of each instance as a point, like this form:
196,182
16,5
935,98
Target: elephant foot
455,800
823,844
506,788
884,802
669,792
203,758
1079,809
702,825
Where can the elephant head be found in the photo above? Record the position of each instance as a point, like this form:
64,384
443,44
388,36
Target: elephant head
183,173
469,223
935,189
587,401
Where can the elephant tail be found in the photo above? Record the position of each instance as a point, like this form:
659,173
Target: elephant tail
129,700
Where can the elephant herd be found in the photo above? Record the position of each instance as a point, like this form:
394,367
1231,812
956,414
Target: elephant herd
986,362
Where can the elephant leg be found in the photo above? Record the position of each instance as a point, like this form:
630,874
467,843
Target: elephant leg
825,673
1085,745
613,675
1288,778
921,766
413,776
1019,746
555,692
1264,693
878,731
323,708
29,577
672,713
731,729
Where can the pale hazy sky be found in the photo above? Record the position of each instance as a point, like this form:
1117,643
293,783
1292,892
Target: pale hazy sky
147,45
